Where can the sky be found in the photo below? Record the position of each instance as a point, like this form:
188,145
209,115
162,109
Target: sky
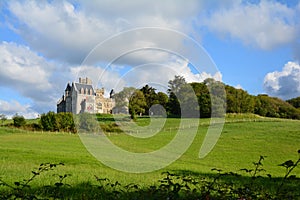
253,45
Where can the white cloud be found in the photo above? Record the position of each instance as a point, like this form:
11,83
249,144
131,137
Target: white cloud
19,64
266,25
66,31
101,77
284,84
238,86
28,74
10,108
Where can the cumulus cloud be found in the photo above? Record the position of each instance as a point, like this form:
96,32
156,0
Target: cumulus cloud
266,25
28,74
10,108
66,31
285,83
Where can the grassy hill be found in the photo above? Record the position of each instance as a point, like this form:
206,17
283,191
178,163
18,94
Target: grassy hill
242,142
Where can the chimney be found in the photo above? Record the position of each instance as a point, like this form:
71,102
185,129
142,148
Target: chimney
88,81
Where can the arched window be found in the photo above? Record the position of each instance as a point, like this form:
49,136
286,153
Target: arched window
81,91
91,92
86,91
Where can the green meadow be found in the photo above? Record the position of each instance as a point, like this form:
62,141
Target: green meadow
242,142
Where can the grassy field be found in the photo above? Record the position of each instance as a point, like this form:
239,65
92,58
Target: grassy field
241,143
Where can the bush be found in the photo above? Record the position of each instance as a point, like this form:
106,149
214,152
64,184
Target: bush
19,120
58,122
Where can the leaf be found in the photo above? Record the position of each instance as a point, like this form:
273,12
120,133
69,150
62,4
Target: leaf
35,173
17,183
287,164
58,184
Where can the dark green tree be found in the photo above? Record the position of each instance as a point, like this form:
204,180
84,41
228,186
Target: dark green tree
150,97
65,122
137,103
204,100
175,85
18,120
48,121
162,99
87,123
294,102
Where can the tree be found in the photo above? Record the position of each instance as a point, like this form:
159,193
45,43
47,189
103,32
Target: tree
137,103
3,118
87,123
204,100
218,98
65,122
173,107
176,84
162,99
19,120
150,97
294,102
122,98
48,122
189,106
239,101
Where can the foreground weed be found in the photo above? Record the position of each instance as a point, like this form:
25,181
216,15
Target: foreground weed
20,189
220,185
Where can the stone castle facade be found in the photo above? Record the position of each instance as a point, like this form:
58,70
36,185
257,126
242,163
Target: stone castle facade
82,97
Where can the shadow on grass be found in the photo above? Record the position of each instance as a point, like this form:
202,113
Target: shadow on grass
173,185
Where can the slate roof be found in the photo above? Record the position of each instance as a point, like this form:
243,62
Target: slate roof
78,87
68,88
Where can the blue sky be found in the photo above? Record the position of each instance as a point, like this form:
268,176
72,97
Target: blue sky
44,44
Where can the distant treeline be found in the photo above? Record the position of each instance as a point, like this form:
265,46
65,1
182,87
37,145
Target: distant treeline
224,98
207,99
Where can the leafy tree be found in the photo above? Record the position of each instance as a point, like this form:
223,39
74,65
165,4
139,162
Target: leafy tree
65,122
188,101
294,102
150,97
48,122
3,118
122,98
204,100
173,106
162,100
175,84
58,122
137,103
19,120
275,107
239,101
87,123
218,98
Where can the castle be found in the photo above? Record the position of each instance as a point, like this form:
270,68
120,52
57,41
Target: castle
82,97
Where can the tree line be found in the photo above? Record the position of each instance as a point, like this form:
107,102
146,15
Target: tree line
212,97
205,99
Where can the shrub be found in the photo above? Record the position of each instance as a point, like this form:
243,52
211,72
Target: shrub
19,120
58,122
